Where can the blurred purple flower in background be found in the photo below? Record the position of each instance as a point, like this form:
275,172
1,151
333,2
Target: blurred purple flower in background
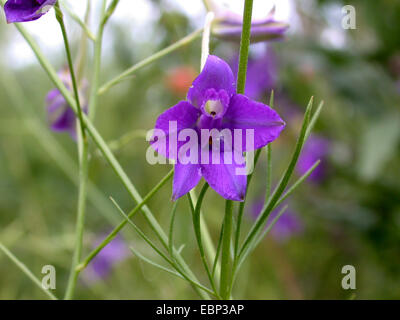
228,26
60,115
262,73
287,226
26,10
212,103
102,265
316,148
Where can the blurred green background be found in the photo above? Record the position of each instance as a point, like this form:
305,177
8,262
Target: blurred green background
351,217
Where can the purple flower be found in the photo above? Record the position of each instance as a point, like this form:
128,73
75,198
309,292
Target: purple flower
26,10
228,26
288,225
101,266
60,115
316,148
213,104
261,73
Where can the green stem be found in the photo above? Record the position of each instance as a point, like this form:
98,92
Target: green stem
226,279
226,252
98,44
244,46
60,19
241,210
80,224
205,234
25,270
269,156
196,213
124,75
83,165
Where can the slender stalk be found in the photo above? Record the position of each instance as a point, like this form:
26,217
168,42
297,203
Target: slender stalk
226,278
205,44
269,157
80,224
205,233
226,252
60,19
196,213
98,44
25,270
244,46
83,165
241,210
124,75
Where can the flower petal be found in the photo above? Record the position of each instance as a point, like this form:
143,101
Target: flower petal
26,10
244,113
224,179
185,116
186,177
216,75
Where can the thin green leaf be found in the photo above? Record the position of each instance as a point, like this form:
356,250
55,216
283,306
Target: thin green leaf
155,264
281,186
297,183
269,156
197,229
26,270
171,230
242,206
314,119
214,268
262,236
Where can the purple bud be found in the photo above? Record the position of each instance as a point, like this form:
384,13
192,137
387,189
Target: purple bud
228,26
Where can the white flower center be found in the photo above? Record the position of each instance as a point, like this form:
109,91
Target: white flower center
214,107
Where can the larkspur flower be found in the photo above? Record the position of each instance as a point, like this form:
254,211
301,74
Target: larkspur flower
261,73
287,226
316,148
228,26
60,115
212,103
26,10
101,266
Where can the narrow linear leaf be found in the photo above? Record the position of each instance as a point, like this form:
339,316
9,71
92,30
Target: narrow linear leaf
26,270
155,264
281,186
171,230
